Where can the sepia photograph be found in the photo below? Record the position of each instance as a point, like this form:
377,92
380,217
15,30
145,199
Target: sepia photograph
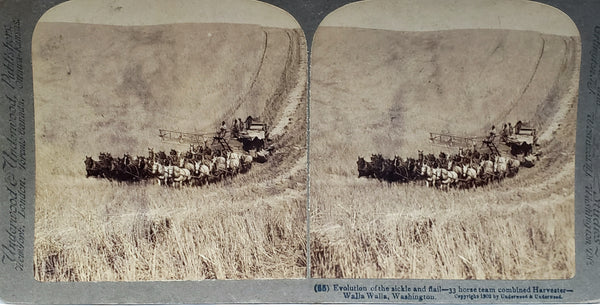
442,141
303,152
170,141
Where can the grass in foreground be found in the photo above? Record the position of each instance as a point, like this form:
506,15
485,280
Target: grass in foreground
147,232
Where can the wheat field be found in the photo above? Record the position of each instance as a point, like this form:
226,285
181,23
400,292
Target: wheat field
382,91
102,88
110,88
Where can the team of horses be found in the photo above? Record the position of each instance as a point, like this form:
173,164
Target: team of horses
175,169
466,169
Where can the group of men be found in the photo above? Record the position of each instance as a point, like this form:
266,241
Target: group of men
237,127
507,131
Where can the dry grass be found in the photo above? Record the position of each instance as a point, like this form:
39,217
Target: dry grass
147,232
103,88
376,91
408,231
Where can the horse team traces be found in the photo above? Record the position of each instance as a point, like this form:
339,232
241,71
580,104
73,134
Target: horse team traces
462,170
176,169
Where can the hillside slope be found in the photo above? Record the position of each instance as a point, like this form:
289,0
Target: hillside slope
386,90
110,88
380,91
105,88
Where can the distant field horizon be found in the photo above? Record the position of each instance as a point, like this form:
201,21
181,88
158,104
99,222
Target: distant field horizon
435,15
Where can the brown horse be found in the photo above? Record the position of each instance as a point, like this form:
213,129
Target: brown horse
365,169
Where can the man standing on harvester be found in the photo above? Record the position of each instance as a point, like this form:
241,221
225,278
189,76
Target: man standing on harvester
222,130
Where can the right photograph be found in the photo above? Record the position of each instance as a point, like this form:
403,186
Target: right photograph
442,141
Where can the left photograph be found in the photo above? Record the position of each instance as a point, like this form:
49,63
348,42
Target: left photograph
170,141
